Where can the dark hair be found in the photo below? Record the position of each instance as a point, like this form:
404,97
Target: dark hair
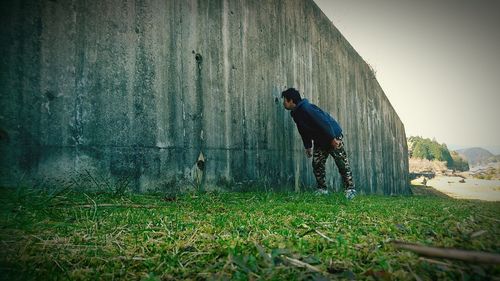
291,94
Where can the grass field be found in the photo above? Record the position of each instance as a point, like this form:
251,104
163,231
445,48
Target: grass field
62,234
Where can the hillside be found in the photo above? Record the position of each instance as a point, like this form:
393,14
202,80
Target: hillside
478,156
429,155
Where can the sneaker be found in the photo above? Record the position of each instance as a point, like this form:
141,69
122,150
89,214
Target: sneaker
321,191
350,193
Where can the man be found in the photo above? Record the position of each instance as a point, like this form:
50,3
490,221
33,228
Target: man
318,127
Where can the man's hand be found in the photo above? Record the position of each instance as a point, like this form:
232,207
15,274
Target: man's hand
309,153
336,143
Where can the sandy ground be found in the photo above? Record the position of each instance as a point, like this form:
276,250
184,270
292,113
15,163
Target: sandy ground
488,190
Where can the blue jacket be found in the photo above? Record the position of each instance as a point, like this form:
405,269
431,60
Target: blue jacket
315,125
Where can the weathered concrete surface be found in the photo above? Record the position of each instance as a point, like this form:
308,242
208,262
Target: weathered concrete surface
137,89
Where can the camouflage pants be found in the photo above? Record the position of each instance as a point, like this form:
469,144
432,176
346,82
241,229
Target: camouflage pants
340,156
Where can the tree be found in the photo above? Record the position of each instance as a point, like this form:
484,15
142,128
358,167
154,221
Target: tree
430,150
459,163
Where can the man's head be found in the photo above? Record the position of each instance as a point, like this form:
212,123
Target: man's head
291,98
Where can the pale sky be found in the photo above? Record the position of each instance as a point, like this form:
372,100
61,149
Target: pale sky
438,62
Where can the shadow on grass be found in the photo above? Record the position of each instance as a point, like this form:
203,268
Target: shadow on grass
420,190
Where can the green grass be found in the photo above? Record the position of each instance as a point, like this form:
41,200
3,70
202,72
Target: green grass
70,235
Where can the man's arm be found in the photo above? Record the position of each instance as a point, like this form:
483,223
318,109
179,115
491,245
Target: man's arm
306,138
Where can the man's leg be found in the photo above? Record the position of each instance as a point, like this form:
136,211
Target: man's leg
318,163
342,162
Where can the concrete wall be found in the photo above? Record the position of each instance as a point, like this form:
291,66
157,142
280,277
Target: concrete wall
137,89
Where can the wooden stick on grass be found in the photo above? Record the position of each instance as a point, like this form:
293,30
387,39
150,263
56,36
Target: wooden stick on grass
298,263
324,236
448,253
